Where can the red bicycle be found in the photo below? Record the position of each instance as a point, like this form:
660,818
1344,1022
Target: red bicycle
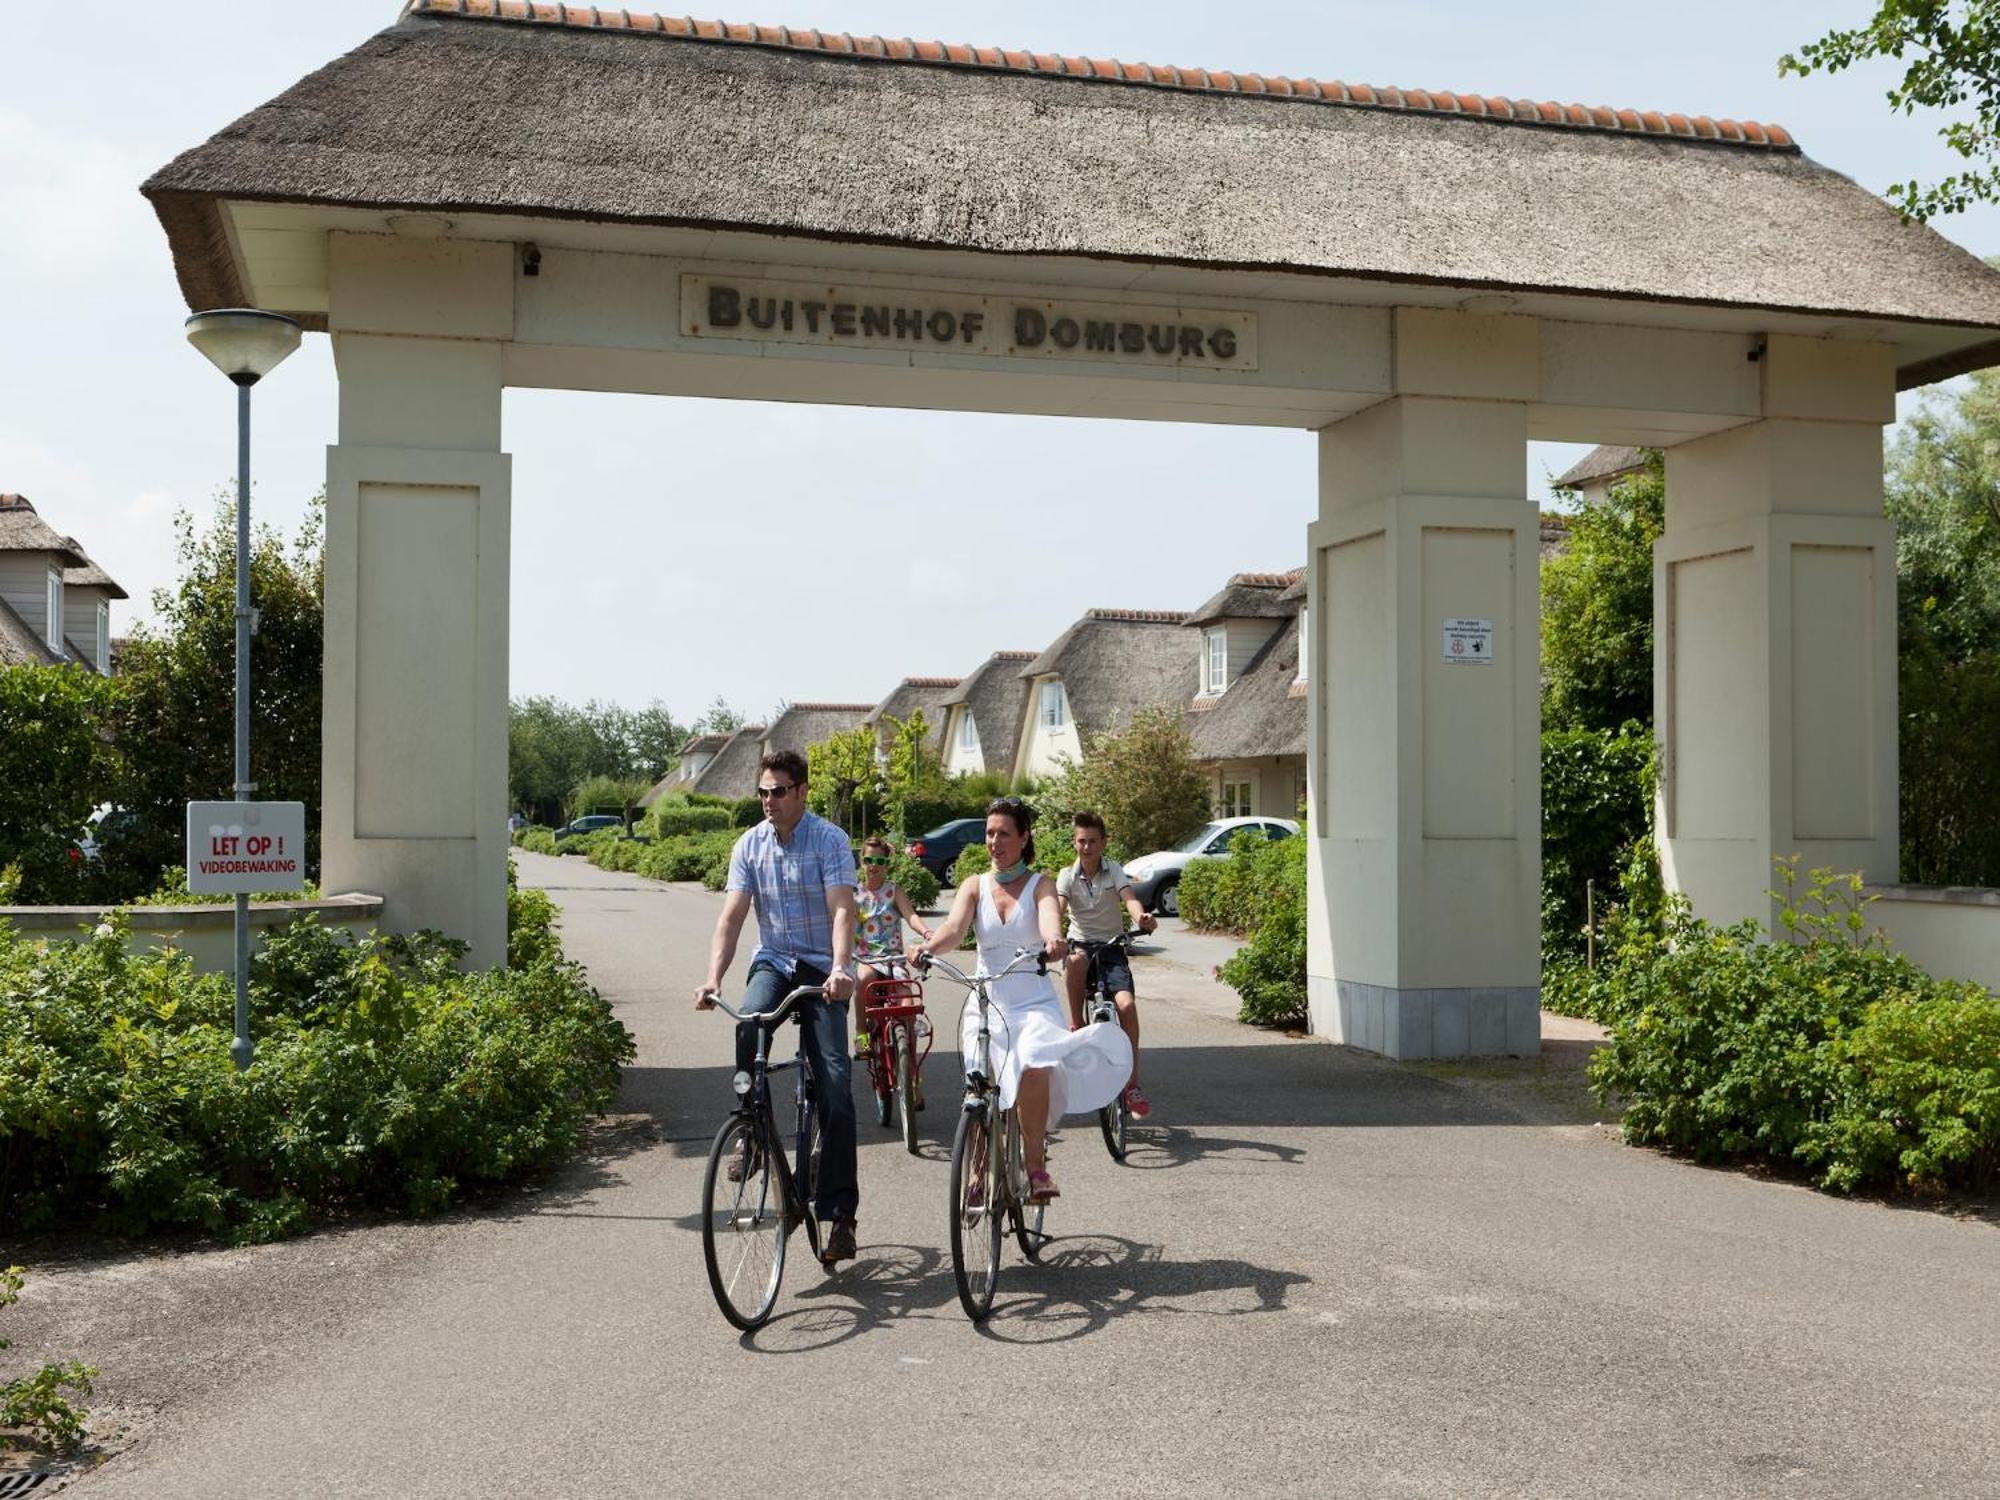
899,1039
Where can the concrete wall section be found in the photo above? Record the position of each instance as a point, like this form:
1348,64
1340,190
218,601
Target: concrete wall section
1950,932
1426,863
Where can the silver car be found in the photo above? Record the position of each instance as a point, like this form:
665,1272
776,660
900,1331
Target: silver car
1156,878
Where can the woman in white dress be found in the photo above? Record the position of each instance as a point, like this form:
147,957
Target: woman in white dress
1051,1070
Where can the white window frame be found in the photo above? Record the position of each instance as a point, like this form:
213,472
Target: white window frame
1053,710
1305,639
1232,806
104,637
54,634
1215,659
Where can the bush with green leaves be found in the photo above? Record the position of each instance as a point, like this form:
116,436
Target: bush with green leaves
172,890
384,1075
746,812
918,883
1233,894
972,860
671,819
689,856
36,1404
55,766
531,925
538,840
1597,806
1268,972
1821,1051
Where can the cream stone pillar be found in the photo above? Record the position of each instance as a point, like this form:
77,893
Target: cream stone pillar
1424,762
414,763
1774,609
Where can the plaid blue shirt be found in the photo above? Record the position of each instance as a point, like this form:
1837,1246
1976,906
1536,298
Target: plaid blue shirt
788,885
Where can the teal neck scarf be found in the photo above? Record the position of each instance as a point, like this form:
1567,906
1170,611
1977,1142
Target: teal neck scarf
1012,873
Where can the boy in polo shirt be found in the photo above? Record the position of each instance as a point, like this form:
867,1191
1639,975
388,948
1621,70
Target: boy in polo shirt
1096,895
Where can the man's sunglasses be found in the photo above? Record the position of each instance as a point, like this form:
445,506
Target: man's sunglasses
774,793
874,859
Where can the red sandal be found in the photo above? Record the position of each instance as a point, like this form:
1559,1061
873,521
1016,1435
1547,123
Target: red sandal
1042,1187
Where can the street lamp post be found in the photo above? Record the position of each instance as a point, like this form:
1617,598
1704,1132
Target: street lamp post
246,345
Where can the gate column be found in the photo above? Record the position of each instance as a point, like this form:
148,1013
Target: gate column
415,721
1424,869
1774,609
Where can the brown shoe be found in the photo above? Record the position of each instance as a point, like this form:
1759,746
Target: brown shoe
839,1244
738,1157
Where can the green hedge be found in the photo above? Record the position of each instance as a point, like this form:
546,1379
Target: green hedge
1232,895
746,812
918,883
674,819
1822,1051
536,840
384,1076
1597,804
1268,972
689,857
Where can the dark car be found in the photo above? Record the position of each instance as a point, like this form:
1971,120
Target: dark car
588,823
938,850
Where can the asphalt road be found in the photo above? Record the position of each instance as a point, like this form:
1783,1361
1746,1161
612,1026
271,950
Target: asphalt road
1321,1273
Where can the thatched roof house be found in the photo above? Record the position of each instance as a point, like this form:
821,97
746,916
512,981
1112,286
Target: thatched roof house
1248,716
55,603
982,726
733,770
695,754
925,695
1600,468
594,113
803,725
1098,674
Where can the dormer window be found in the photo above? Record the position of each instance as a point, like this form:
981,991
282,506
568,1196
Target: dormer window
53,633
1305,635
1214,660
968,731
1055,712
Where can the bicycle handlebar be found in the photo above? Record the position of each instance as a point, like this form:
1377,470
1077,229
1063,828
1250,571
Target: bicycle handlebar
771,1020
927,961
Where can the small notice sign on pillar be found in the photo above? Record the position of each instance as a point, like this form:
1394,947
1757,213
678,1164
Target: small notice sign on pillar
1468,643
244,847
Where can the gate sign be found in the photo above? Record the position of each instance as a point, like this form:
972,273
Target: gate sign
1468,643
245,847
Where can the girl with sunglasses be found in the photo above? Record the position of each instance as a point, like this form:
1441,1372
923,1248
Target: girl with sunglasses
881,907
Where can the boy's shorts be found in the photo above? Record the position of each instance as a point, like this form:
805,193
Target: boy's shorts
1115,970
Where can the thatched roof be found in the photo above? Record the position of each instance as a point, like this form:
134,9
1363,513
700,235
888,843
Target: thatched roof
20,645
1114,662
22,530
916,694
1264,711
992,693
90,575
803,725
1607,461
582,112
733,772
1249,596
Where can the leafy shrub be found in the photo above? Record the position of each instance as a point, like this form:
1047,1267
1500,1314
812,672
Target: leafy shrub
531,926
172,890
54,768
1232,895
1950,720
688,857
383,1075
746,812
36,1404
672,819
1597,803
918,883
972,860
1822,1050
539,840
1268,973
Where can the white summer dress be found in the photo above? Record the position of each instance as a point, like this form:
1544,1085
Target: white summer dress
1089,1068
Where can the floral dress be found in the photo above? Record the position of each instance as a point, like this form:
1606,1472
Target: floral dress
880,924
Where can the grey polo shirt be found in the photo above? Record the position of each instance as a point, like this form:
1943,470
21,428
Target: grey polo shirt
1096,905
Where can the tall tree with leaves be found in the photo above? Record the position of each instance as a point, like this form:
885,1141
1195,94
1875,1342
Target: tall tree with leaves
1597,608
175,725
55,766
1951,52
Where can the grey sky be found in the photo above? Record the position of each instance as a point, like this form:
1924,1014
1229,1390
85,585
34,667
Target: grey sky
646,530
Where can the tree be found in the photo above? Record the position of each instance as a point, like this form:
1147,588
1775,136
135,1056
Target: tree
841,772
550,751
655,740
609,794
1597,609
719,719
1954,52
55,767
1944,496
174,723
1143,779
913,769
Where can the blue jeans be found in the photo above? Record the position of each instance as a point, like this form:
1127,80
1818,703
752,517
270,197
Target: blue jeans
837,1194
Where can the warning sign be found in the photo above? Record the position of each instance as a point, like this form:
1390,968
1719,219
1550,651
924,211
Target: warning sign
246,846
1468,643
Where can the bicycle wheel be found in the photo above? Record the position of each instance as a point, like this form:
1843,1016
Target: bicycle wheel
1112,1120
880,1069
975,1225
743,1228
1023,1217
806,1153
905,1053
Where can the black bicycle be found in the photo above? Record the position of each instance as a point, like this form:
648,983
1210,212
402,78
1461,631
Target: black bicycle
989,1178
748,1217
1116,1117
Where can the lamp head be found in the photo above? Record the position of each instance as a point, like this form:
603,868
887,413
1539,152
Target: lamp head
243,343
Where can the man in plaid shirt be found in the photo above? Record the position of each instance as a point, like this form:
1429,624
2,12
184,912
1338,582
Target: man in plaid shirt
797,870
